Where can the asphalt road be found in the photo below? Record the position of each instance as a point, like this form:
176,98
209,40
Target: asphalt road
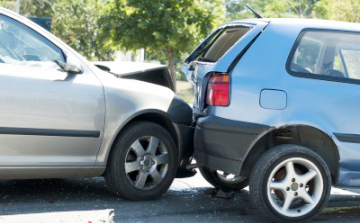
188,200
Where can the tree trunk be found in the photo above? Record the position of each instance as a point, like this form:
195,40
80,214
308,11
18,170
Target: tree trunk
171,65
97,53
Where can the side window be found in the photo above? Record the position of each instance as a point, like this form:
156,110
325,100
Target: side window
351,61
20,45
331,54
307,55
338,62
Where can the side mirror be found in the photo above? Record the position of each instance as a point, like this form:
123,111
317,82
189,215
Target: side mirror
73,65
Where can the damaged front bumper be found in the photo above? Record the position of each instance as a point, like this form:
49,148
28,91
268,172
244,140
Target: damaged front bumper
186,149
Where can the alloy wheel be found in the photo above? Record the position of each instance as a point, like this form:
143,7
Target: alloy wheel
146,162
295,194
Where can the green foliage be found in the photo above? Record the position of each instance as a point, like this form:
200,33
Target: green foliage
79,24
38,8
8,4
158,24
341,10
168,30
164,28
273,8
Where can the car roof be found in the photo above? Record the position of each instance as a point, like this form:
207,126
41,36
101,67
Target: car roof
302,23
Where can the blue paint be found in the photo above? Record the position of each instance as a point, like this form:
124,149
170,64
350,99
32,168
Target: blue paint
328,105
273,99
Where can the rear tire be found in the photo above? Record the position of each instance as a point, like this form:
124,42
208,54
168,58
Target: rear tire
290,183
222,181
142,165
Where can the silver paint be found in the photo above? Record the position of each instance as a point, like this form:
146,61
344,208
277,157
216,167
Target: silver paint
49,99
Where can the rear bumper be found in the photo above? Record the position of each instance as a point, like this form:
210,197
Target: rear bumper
222,144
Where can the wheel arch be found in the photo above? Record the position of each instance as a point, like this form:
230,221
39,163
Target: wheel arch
304,135
151,115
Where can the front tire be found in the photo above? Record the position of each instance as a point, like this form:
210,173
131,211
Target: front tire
143,163
290,183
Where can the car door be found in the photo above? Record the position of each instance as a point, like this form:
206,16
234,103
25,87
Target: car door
48,117
327,64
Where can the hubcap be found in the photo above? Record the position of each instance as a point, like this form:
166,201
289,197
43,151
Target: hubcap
294,186
146,163
295,194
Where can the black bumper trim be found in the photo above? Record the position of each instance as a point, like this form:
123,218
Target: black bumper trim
186,149
49,132
222,144
185,140
180,112
348,137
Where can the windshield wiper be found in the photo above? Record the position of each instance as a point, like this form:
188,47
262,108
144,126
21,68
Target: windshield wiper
102,67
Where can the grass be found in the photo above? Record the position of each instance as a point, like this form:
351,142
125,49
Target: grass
185,91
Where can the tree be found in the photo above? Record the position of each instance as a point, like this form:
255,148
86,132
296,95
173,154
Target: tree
8,4
272,8
341,10
165,28
36,8
78,23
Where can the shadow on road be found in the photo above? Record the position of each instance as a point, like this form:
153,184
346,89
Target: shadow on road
189,205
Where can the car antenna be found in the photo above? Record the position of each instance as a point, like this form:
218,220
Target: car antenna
257,15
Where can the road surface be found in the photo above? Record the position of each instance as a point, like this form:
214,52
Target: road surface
188,200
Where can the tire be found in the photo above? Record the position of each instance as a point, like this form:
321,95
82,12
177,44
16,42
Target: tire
218,180
143,163
293,172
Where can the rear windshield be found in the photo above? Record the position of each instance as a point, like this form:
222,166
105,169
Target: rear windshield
222,42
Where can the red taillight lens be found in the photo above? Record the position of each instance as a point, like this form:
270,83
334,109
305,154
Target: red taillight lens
218,90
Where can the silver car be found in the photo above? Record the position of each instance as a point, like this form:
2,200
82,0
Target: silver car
61,116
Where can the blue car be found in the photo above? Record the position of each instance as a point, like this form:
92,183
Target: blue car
277,104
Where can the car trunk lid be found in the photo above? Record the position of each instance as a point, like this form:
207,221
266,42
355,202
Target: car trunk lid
218,53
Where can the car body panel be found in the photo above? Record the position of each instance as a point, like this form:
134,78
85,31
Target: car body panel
310,102
201,70
39,99
148,72
126,99
76,116
273,99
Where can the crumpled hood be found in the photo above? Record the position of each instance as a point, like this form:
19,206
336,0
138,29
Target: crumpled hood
123,68
147,72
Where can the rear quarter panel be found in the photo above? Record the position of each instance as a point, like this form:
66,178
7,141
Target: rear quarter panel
331,107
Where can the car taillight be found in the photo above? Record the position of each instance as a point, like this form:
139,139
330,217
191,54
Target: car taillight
218,90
